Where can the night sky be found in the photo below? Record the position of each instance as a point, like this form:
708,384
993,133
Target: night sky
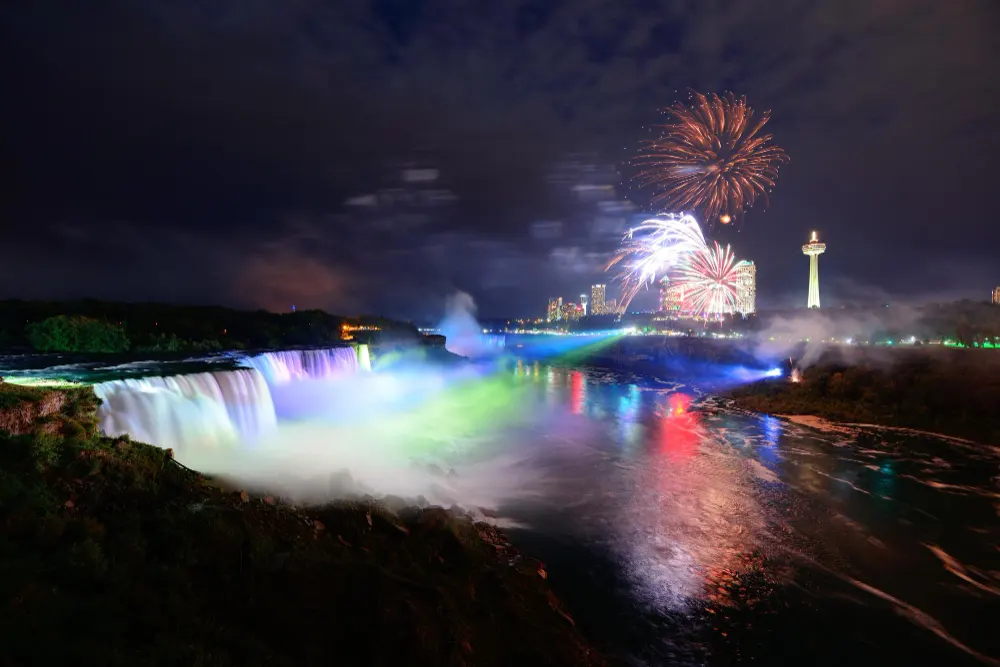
229,151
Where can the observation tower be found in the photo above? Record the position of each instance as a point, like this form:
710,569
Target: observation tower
813,250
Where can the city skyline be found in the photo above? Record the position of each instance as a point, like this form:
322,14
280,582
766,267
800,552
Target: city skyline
670,298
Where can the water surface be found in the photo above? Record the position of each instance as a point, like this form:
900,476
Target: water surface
681,532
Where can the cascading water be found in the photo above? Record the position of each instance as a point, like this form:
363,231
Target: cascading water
283,367
202,409
364,357
222,408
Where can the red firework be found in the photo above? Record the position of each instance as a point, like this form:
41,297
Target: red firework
712,158
711,281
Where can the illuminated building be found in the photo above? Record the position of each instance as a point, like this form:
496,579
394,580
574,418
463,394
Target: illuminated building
583,304
664,294
347,331
674,300
996,296
555,309
571,311
597,306
746,294
813,250
611,307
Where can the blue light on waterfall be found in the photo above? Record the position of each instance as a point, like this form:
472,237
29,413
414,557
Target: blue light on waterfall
226,409
286,366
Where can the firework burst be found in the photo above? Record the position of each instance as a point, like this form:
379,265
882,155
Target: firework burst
711,281
712,158
653,248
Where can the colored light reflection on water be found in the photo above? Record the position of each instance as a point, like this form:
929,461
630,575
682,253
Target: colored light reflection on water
630,429
578,392
702,523
768,452
678,428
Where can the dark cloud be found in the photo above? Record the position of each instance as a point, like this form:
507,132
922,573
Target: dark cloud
204,151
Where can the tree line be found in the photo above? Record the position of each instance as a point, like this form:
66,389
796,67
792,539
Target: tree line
102,327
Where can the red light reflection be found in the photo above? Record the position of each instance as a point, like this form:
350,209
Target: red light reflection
678,428
576,388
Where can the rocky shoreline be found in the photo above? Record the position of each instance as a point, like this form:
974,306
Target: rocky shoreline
134,559
955,397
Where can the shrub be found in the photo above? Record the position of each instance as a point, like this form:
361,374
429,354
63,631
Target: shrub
63,333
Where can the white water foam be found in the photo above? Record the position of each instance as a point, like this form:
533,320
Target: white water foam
216,409
205,409
290,365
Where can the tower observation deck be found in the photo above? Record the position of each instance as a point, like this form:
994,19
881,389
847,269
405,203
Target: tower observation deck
813,250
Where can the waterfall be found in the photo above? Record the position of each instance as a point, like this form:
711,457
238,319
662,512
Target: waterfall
364,358
224,408
283,367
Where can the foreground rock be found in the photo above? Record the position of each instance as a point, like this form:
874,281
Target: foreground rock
120,556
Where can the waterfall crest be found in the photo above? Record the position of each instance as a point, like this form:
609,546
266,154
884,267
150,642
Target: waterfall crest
217,409
290,365
204,409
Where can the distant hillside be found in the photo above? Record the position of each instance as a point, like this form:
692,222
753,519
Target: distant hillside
100,326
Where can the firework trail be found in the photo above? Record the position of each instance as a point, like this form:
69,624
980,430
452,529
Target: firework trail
712,158
653,248
711,281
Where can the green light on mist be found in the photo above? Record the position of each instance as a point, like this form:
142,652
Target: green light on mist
985,345
42,382
453,419
580,354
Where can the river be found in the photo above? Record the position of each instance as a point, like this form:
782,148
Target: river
676,529
681,532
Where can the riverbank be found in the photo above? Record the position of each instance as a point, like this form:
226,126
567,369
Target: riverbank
122,556
954,395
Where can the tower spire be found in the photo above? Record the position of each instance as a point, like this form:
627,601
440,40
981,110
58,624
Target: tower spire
813,250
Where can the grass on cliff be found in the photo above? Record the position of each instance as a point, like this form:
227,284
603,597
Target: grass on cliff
111,553
956,396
